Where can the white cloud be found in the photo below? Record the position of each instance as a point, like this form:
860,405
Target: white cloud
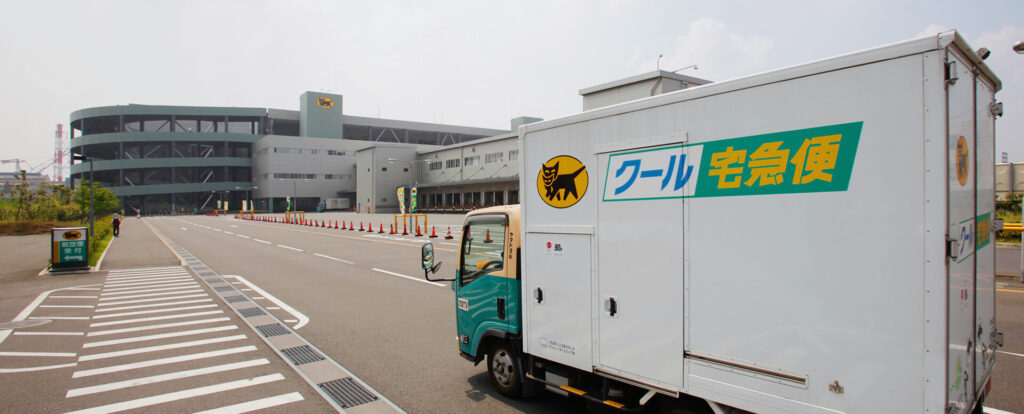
933,29
719,53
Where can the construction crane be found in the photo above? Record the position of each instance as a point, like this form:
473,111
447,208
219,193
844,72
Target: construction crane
17,163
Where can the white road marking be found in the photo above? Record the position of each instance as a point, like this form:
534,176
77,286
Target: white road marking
332,258
158,336
144,269
1010,353
172,309
256,404
162,361
159,326
236,283
258,297
31,369
41,333
449,244
289,248
273,308
39,354
151,305
81,288
128,321
302,319
4,333
150,300
73,297
180,395
146,289
66,306
990,410
140,289
183,228
69,318
234,226
160,348
165,279
137,276
164,377
228,232
290,320
262,241
147,295
215,229
156,318
242,236
409,277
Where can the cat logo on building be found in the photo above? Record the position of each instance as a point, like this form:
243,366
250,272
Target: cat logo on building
72,235
325,102
562,181
963,161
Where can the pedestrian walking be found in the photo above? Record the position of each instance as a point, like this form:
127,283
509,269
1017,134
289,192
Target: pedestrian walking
116,223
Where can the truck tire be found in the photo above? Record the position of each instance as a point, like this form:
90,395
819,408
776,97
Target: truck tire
503,365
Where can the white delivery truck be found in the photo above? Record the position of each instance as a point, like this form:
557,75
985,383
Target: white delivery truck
816,239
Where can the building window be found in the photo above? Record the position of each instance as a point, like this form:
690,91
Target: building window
494,157
471,161
452,163
384,169
335,152
435,165
513,155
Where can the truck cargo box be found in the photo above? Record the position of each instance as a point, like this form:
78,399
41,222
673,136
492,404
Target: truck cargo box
811,239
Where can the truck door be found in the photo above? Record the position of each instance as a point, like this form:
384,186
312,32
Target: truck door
482,291
640,264
985,316
963,154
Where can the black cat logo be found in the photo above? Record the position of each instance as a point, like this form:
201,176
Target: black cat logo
963,161
562,181
325,102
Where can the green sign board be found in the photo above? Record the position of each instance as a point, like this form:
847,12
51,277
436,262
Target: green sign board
70,248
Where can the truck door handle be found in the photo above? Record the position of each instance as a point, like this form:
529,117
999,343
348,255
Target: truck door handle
501,308
538,294
611,307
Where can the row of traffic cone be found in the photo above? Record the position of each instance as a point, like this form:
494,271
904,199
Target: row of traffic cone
351,226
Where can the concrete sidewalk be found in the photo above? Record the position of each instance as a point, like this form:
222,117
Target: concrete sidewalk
137,246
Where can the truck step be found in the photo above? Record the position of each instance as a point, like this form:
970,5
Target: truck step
583,394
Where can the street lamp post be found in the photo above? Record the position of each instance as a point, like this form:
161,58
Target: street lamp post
92,192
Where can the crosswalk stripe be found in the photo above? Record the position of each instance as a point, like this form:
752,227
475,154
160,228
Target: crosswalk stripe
69,318
144,269
149,300
134,351
160,326
148,282
152,305
146,295
66,306
161,361
107,294
256,404
72,297
38,354
180,395
155,318
133,289
41,333
171,309
145,276
164,377
158,336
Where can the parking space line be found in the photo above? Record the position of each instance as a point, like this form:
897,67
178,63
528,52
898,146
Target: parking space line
42,333
38,354
150,300
162,361
107,294
151,311
151,295
256,404
164,377
158,336
180,395
159,326
332,258
151,305
409,277
156,348
156,318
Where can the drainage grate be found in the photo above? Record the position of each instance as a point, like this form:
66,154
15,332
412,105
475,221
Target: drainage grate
273,329
302,355
236,299
251,312
348,393
224,288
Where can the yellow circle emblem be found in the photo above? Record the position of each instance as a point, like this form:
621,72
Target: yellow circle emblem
562,181
325,102
963,161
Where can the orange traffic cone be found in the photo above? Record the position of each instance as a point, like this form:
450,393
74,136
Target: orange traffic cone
405,232
381,228
418,234
487,237
335,224
361,226
449,236
433,232
391,228
351,226
343,226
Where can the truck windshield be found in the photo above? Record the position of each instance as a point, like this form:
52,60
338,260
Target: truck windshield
483,240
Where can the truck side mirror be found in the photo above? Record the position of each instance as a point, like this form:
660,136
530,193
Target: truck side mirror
427,261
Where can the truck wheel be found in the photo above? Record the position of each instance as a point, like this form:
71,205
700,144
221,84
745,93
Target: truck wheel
503,368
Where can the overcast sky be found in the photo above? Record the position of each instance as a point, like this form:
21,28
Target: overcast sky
473,63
